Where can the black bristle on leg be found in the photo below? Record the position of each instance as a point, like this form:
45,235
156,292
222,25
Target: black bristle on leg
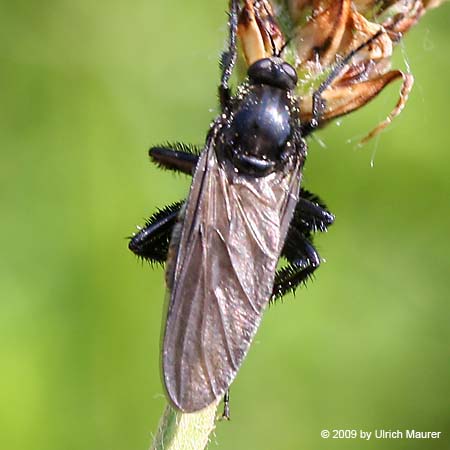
310,216
228,58
303,260
289,278
178,157
152,242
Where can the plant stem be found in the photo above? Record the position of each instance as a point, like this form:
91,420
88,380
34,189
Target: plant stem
181,431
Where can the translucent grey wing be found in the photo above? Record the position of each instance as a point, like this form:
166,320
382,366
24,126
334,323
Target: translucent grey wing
221,281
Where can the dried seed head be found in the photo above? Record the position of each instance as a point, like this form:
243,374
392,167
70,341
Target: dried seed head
258,31
322,32
432,3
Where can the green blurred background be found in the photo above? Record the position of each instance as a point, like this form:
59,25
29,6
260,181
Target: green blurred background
86,89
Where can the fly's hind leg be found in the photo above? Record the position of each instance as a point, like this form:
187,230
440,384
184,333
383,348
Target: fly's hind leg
302,264
226,406
310,216
152,242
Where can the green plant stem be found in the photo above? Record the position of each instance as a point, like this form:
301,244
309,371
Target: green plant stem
180,431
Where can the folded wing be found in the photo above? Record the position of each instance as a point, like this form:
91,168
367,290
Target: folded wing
222,276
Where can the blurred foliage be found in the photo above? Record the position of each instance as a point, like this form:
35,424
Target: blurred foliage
86,89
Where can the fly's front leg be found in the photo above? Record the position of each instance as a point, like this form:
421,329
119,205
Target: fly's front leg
152,242
318,107
228,58
318,102
177,157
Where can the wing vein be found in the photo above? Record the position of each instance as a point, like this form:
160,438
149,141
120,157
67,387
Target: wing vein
249,227
237,276
225,334
205,271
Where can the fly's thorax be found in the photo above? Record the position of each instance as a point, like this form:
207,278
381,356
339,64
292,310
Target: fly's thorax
258,136
261,129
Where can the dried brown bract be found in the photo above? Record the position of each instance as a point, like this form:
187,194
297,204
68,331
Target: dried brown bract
258,31
317,34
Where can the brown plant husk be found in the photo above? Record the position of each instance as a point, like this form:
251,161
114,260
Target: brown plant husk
320,33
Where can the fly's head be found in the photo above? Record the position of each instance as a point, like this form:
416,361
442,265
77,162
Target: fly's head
273,72
258,137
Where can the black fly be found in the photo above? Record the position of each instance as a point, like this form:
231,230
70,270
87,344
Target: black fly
245,211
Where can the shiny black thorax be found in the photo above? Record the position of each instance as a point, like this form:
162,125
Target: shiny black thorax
258,132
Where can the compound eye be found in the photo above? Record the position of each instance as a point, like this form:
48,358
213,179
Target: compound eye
260,69
290,71
273,72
